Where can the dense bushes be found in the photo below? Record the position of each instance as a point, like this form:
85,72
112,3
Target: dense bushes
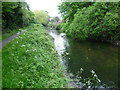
31,61
97,20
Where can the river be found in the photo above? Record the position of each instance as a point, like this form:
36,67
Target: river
101,58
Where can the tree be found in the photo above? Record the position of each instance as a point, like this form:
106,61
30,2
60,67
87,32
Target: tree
8,13
41,16
98,20
16,14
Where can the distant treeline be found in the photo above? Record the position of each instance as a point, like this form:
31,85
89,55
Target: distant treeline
91,20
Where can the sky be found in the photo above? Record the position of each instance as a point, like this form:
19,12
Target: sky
48,5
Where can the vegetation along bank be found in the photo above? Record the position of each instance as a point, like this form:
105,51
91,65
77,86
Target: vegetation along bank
91,20
31,61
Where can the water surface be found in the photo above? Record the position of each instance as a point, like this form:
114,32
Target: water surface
88,55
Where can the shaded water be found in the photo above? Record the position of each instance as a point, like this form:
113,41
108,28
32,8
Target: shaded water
88,55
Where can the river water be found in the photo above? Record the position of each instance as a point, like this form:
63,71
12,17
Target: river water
87,56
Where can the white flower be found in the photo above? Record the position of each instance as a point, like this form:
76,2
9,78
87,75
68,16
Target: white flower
34,50
81,69
27,50
92,71
23,45
67,53
99,80
95,75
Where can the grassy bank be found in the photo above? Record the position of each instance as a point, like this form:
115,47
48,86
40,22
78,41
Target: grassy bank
31,61
8,33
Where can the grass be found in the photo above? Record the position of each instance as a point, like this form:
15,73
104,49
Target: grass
31,61
8,33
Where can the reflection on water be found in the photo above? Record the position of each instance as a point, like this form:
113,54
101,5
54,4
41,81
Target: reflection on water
60,42
100,57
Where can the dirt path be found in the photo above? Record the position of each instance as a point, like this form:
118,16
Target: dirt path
9,39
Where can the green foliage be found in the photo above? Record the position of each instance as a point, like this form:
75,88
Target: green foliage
68,9
98,20
111,23
28,17
31,61
16,14
41,16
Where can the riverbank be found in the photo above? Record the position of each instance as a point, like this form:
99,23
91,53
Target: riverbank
111,42
31,61
115,43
